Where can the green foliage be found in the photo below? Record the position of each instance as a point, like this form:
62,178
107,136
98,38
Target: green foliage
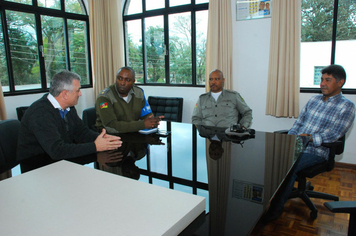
24,46
155,54
317,20
180,54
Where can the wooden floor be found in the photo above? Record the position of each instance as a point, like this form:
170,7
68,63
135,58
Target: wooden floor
295,219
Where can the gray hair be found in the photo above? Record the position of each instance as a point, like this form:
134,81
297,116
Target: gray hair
62,81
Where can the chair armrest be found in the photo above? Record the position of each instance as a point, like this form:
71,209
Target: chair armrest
341,207
329,145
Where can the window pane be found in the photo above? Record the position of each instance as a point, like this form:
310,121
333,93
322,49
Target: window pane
78,49
28,2
53,45
173,3
180,48
201,1
202,29
23,49
346,40
154,39
4,77
54,4
316,40
134,47
74,6
154,4
134,7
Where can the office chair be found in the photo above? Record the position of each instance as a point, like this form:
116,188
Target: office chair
169,107
9,130
89,118
305,190
345,207
20,111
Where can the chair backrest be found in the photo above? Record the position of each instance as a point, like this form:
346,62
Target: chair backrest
335,148
21,111
89,117
9,130
169,107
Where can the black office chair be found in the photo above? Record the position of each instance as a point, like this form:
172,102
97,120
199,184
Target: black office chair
345,207
169,107
9,130
89,118
21,111
305,190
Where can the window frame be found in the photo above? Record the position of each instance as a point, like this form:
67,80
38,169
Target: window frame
39,11
333,53
165,12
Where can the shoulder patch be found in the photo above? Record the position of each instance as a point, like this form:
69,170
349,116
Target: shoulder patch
103,105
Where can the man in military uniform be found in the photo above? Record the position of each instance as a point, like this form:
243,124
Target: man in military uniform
221,107
122,107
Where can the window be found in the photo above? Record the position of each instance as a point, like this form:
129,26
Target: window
328,37
165,41
39,38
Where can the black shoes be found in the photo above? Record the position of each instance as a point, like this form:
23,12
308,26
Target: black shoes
272,214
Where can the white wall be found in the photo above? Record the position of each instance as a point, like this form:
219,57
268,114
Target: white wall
250,63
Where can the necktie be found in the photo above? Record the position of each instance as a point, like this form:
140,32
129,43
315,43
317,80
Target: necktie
63,113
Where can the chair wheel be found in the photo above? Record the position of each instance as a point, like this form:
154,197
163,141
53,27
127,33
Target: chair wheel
314,215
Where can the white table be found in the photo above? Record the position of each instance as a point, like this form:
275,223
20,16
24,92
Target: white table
70,199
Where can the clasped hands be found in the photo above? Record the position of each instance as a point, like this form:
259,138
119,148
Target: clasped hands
152,122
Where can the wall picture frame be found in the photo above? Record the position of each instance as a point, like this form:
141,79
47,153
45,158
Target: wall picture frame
252,9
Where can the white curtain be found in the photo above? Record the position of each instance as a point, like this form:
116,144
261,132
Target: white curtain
284,59
219,41
107,43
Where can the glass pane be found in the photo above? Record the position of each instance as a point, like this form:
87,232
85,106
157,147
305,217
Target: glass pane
4,77
133,7
53,45
316,40
134,46
201,1
180,48
23,49
154,4
74,6
77,38
154,38
182,151
158,159
202,173
28,2
173,3
202,30
54,4
346,41
183,188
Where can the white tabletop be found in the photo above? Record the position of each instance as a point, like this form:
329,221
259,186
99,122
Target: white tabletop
70,199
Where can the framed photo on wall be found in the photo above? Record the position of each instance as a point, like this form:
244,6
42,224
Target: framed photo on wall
252,9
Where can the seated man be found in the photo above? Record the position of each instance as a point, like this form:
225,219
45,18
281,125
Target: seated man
221,107
122,107
51,129
325,119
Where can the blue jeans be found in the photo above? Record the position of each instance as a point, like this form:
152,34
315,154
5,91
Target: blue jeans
305,160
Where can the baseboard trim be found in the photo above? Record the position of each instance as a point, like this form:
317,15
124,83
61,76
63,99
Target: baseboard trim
345,165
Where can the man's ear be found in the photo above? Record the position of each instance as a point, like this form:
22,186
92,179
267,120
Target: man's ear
64,94
341,82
